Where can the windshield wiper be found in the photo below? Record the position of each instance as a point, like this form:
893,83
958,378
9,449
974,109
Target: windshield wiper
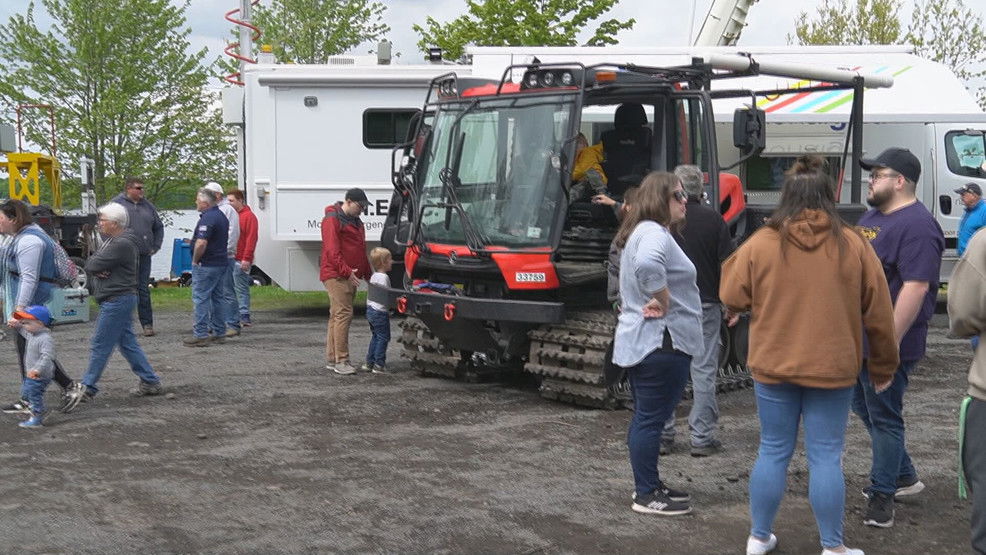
449,177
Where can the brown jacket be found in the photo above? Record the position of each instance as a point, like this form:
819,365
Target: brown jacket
809,304
967,308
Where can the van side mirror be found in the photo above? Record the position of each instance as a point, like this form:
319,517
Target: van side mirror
750,130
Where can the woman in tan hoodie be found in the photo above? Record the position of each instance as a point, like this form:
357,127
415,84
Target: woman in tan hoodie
812,285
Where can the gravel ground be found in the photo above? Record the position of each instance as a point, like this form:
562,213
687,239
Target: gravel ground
258,449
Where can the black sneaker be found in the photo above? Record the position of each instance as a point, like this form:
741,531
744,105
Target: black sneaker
880,510
660,504
672,494
18,407
74,394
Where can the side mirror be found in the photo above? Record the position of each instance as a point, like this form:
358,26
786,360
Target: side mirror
945,204
750,130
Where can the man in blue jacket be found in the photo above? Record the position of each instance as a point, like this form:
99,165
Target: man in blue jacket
146,225
975,213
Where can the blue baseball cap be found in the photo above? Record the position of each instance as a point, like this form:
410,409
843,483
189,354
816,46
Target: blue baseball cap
34,312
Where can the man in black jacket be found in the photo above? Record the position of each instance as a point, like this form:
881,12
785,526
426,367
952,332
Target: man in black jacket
114,270
707,242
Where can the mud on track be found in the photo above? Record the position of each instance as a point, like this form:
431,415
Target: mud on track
261,450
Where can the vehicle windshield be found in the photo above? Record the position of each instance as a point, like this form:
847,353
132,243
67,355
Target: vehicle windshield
501,161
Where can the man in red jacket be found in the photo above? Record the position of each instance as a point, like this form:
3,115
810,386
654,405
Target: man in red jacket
343,263
245,246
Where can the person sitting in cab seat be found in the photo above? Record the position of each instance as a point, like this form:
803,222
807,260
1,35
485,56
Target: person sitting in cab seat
625,153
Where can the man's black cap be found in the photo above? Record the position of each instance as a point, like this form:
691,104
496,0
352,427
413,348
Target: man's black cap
970,188
357,195
898,159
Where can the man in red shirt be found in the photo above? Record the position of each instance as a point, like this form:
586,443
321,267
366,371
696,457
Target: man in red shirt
343,263
244,254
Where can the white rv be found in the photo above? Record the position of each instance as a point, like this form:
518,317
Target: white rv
311,132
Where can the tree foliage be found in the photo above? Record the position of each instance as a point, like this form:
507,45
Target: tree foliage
521,23
309,31
945,31
126,93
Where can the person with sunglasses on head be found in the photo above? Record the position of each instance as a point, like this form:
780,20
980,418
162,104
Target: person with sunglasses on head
147,226
28,271
909,243
658,331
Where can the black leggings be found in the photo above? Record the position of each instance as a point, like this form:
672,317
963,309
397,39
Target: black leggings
61,378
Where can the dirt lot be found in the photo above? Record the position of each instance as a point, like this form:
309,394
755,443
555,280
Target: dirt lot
261,450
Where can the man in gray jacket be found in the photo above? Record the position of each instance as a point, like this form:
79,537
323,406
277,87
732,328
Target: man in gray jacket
114,272
146,225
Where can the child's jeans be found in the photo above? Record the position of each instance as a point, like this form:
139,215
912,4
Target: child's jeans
34,392
380,327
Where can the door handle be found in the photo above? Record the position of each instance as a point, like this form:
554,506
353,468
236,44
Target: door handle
945,204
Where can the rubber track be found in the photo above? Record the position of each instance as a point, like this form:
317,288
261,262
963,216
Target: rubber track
424,351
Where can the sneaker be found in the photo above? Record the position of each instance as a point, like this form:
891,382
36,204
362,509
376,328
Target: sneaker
711,448
905,487
660,504
672,494
145,389
909,486
232,332
366,367
381,369
74,395
848,551
197,341
757,547
36,421
20,406
217,339
149,331
344,368
667,447
880,510
245,320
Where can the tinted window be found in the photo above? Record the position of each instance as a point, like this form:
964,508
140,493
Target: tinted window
386,128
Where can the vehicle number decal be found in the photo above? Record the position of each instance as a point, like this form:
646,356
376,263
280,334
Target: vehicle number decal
530,277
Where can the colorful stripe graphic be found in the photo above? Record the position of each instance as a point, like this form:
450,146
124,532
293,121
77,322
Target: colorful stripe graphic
818,102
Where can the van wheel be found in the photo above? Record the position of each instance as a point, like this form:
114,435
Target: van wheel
259,277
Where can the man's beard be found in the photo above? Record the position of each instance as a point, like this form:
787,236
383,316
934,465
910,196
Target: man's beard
878,199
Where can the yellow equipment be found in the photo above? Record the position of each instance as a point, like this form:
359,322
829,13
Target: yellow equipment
25,170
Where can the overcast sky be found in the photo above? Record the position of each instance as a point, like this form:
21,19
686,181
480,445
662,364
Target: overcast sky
659,22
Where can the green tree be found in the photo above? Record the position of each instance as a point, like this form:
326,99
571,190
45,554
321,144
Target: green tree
521,23
309,31
126,93
945,31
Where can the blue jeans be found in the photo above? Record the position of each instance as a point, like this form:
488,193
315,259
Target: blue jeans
380,336
656,384
207,300
232,308
34,392
114,328
882,414
144,312
241,285
825,413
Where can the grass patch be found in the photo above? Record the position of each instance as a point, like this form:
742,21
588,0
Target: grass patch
267,297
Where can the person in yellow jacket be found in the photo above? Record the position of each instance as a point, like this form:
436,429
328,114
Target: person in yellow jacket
813,286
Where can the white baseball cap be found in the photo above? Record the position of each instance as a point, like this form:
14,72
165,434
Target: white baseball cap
214,187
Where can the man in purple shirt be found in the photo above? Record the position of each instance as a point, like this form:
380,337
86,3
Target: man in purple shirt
909,242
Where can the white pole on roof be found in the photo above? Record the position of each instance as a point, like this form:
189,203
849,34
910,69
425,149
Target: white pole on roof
798,71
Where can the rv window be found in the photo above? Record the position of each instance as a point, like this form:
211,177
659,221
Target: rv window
965,152
386,127
766,173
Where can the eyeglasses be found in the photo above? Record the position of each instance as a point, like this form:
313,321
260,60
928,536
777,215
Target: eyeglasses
138,188
679,196
877,176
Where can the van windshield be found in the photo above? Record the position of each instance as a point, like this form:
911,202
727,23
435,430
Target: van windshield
500,162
